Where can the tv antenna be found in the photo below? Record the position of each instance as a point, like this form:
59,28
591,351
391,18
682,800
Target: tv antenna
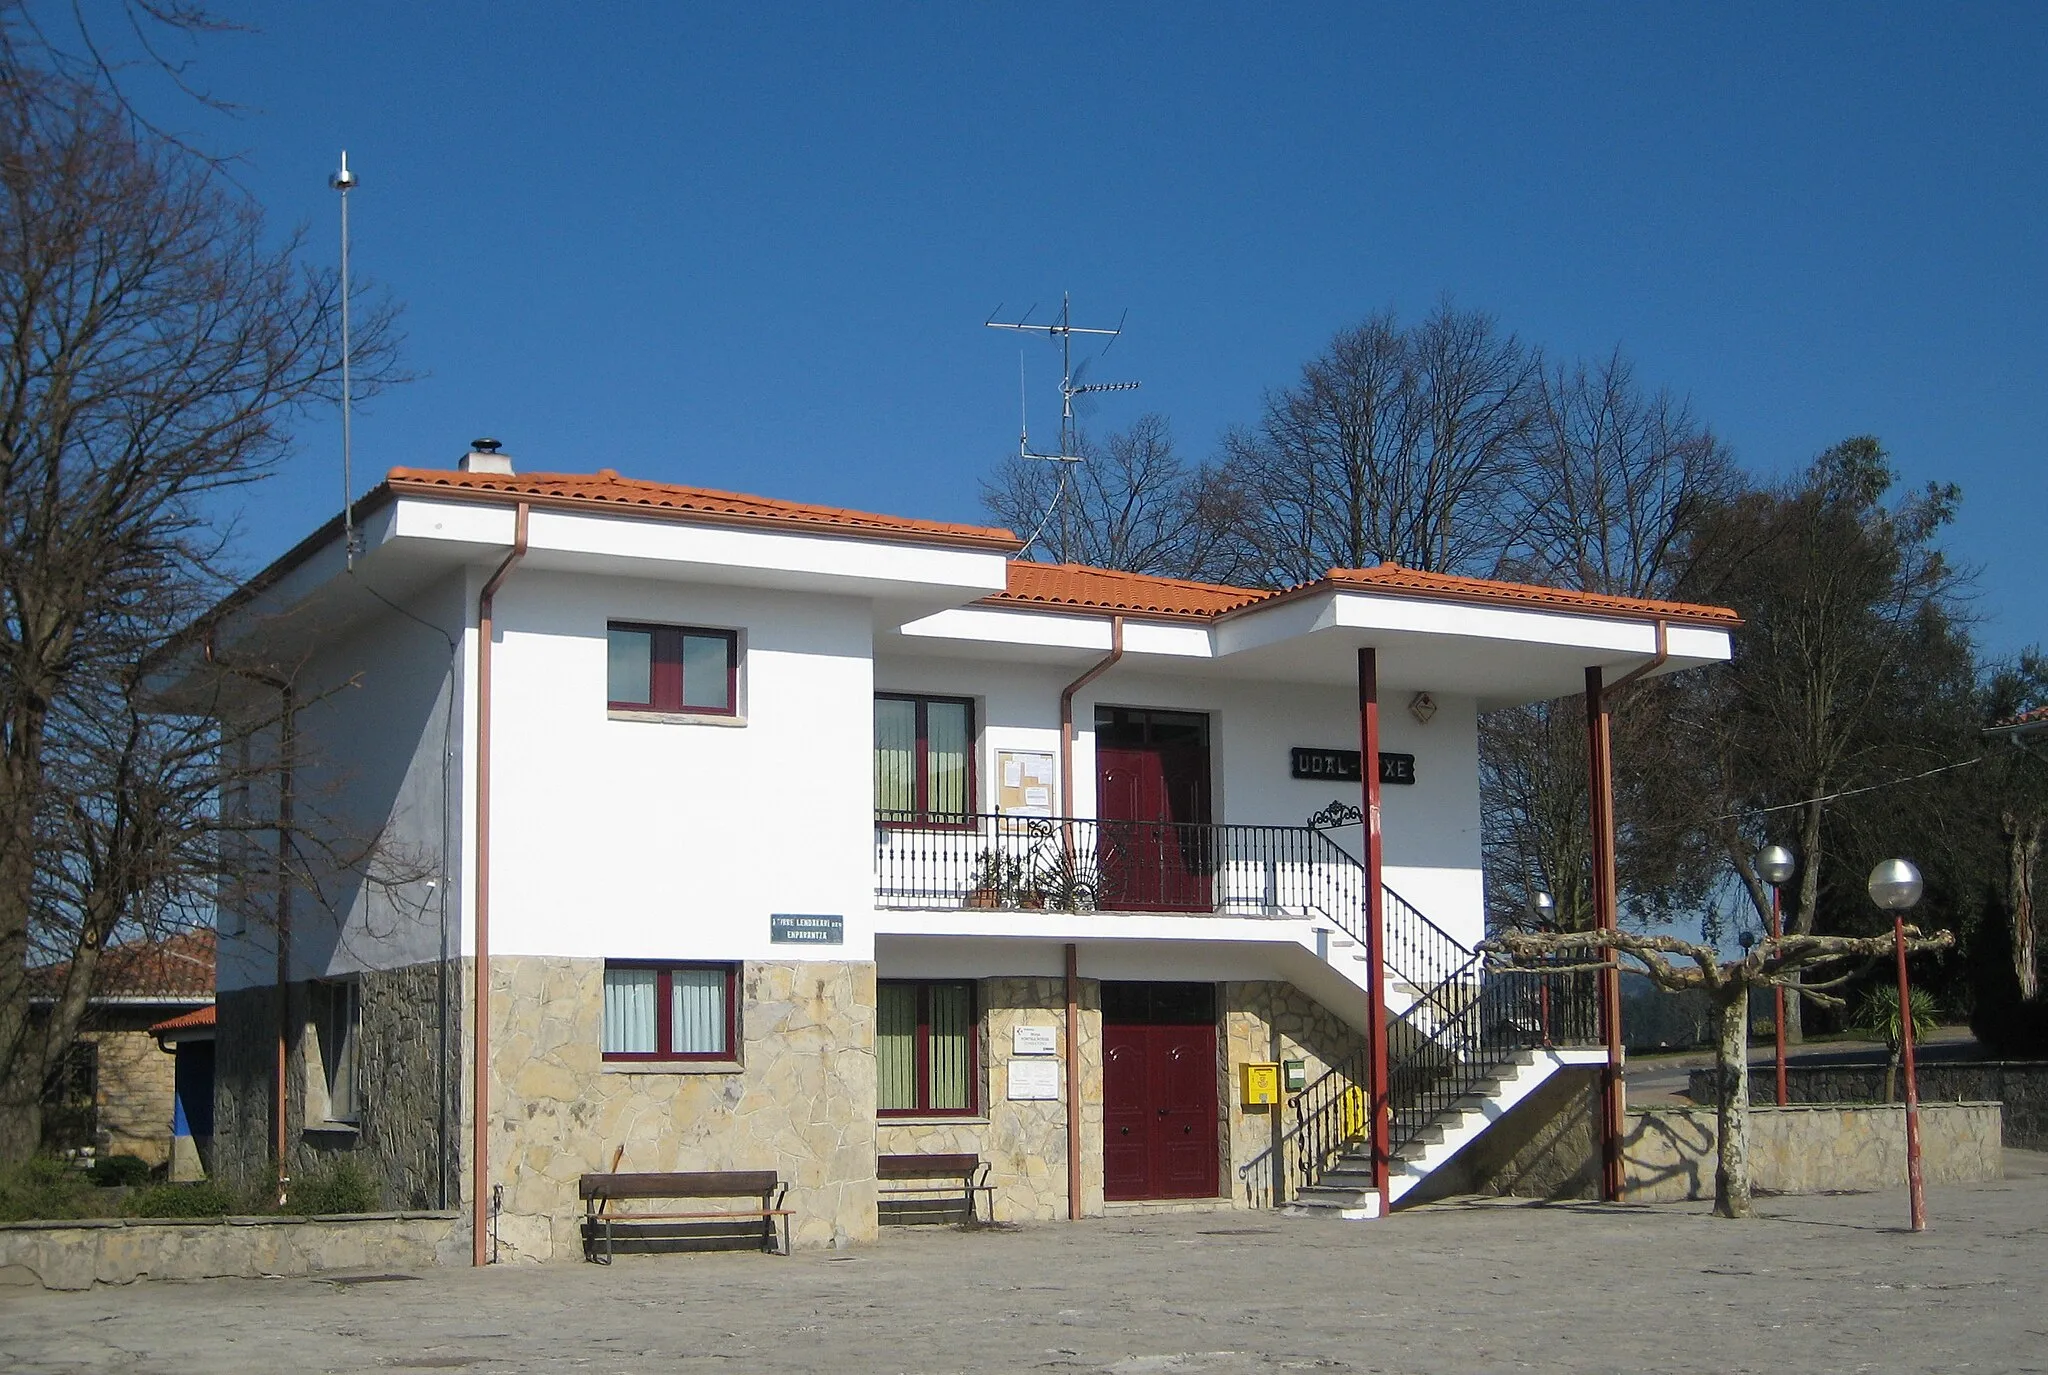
1073,383
344,181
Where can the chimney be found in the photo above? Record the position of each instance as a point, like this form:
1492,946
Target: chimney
483,457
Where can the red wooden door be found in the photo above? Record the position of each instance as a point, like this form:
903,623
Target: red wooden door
1152,801
1159,1092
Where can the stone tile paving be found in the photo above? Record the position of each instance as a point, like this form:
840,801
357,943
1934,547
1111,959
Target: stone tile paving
1819,1284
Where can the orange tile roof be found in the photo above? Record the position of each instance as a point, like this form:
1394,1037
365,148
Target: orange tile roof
1391,577
1107,589
1047,585
607,488
198,1019
177,969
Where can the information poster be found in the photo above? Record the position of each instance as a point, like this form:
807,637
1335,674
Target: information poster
1024,782
1034,1079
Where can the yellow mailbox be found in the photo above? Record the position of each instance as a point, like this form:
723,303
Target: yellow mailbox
1259,1085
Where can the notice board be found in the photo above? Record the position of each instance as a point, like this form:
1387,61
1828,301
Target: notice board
1024,782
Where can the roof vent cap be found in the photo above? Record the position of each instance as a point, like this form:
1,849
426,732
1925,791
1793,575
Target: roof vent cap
483,457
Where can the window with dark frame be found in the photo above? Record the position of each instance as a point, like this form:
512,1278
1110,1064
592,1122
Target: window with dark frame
672,668
924,760
926,1037
670,1011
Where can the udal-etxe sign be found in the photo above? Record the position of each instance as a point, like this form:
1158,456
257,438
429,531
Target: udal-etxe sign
1341,766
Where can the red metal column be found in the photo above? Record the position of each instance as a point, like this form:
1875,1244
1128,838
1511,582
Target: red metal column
1606,916
1916,1185
1376,963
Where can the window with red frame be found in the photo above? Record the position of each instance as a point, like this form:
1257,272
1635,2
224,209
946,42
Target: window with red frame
670,1011
672,668
924,759
925,1049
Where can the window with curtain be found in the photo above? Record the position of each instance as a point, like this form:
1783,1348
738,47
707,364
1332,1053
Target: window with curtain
670,1012
671,668
924,760
925,1036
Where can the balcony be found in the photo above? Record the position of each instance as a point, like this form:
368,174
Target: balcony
1082,864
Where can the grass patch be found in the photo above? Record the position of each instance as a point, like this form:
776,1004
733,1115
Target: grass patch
203,1199
46,1188
342,1186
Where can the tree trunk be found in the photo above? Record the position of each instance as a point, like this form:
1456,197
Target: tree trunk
1800,922
1731,1067
21,1119
2023,851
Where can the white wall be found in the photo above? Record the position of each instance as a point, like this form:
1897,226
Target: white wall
374,727
658,839
1430,830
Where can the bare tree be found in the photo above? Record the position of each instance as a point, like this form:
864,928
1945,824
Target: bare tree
1615,482
1679,966
1131,503
156,348
1398,444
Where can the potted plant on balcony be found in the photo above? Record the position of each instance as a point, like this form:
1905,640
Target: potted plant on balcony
999,883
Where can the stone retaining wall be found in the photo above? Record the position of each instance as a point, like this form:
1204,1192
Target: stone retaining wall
2022,1085
79,1254
1669,1153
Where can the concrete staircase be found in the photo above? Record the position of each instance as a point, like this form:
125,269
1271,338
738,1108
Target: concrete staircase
1345,1190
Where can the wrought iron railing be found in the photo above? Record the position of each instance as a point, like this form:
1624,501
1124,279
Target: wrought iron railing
1453,1038
1083,864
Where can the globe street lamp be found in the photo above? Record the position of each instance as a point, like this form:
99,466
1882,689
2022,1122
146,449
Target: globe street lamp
1775,865
1895,886
1543,916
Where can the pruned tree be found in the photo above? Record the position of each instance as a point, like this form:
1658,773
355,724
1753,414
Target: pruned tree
1676,965
157,345
1131,503
1399,444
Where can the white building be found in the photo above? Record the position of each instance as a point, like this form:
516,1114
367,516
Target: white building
792,837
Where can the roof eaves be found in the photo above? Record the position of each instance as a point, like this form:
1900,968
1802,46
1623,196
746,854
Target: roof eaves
927,533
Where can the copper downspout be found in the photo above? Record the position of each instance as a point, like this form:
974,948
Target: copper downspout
479,1145
1607,898
1073,1082
1116,652
287,747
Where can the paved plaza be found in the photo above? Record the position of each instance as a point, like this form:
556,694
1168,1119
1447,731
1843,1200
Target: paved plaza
1818,1284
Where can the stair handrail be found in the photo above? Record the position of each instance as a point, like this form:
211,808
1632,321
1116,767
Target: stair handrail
1327,1124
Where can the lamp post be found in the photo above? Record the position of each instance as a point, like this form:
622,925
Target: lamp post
1543,916
1895,886
1774,865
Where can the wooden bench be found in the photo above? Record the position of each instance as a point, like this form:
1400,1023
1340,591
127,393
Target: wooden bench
917,1174
600,1191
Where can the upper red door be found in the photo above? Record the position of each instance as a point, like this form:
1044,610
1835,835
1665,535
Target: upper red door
1152,798
1159,1091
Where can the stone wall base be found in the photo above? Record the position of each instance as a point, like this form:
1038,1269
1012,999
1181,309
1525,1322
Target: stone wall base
1669,1153
80,1254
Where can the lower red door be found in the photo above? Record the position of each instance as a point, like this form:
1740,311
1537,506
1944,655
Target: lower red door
1159,1091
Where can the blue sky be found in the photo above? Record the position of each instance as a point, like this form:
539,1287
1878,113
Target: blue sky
754,250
